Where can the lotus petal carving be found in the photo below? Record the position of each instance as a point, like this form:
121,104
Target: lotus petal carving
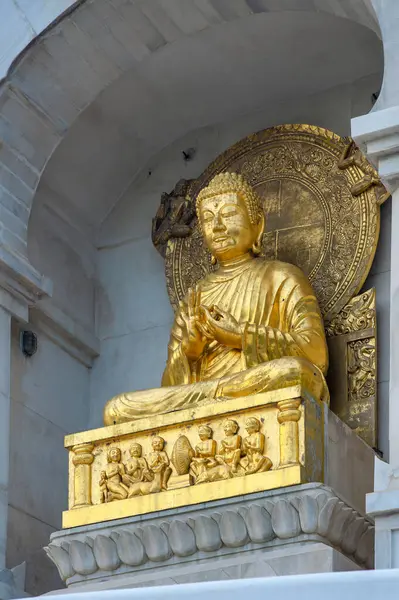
130,549
105,553
82,558
284,517
207,534
233,530
285,520
156,543
259,524
60,558
182,539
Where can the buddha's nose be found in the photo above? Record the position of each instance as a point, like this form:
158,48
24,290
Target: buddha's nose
218,224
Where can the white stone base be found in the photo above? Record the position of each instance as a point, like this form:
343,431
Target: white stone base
292,559
298,530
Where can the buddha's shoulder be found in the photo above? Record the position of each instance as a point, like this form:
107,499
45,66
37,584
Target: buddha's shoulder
278,268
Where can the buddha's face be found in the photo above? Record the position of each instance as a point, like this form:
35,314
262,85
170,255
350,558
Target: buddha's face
226,226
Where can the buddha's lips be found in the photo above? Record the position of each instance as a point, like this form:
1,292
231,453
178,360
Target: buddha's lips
222,238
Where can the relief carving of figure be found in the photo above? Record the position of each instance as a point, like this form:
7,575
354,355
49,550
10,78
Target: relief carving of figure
228,458
253,447
136,467
205,452
175,216
352,156
114,473
251,326
103,487
230,446
158,462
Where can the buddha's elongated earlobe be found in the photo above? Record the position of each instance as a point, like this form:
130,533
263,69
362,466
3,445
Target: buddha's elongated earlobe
256,247
213,260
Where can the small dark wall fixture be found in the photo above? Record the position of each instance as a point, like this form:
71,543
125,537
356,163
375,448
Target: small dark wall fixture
28,342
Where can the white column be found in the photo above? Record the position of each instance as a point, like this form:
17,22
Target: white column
20,287
394,331
378,135
5,370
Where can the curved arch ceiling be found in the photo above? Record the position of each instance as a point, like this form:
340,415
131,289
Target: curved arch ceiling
206,78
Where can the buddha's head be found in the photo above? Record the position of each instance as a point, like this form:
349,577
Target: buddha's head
230,427
135,450
252,425
114,455
231,217
158,443
204,432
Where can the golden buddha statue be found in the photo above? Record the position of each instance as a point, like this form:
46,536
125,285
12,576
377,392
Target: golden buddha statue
251,326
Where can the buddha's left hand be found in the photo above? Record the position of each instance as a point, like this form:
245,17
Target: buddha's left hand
220,325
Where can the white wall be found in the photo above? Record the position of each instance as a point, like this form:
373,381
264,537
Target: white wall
133,310
49,391
59,247
23,20
49,394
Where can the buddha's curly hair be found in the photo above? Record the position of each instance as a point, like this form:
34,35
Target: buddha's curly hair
223,183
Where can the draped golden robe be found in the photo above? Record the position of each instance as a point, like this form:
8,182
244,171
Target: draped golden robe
283,343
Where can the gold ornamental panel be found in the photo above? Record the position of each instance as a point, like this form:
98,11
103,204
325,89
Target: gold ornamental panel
321,203
352,375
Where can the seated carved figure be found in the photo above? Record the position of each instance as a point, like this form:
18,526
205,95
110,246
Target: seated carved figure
228,458
251,326
136,467
253,447
205,451
230,446
114,473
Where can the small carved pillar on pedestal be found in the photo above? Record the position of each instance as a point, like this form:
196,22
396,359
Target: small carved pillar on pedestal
82,461
288,417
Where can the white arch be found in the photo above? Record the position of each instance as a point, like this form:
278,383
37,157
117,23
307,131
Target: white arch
91,47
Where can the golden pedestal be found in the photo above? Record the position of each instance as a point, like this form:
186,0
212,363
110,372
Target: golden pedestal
305,514
291,421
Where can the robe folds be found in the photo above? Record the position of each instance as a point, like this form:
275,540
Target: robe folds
282,338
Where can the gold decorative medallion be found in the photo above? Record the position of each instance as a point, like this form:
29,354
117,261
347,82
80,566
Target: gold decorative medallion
321,204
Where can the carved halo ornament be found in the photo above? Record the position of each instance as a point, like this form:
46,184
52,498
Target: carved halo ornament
321,203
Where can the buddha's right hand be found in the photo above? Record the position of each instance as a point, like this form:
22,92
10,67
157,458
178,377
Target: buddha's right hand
193,342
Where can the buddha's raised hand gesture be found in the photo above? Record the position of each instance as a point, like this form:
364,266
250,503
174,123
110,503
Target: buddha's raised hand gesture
193,341
220,325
